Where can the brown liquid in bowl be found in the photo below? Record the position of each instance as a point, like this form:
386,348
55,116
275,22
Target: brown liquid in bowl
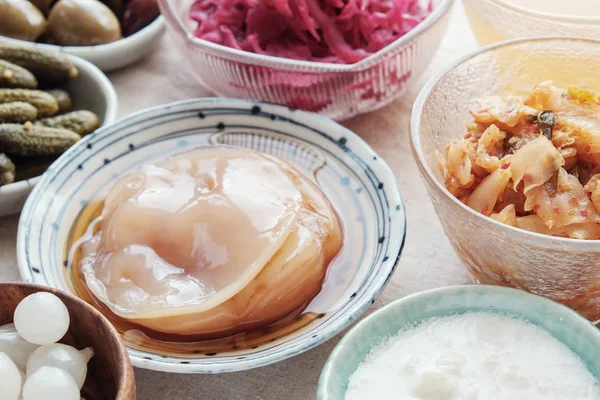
141,337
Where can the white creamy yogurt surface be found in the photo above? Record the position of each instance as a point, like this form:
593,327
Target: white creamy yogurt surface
475,356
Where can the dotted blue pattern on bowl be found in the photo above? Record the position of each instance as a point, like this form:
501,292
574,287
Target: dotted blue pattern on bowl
357,182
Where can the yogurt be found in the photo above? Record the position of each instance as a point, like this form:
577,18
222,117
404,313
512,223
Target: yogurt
475,356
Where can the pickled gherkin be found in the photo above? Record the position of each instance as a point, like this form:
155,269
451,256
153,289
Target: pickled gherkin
13,76
7,170
45,103
81,122
63,98
17,111
31,140
47,66
30,167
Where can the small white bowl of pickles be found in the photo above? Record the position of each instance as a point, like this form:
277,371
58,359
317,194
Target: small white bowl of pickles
48,101
109,33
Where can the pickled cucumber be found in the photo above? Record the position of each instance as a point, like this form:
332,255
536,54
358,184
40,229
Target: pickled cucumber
31,140
17,111
80,122
13,76
63,98
7,170
47,66
45,103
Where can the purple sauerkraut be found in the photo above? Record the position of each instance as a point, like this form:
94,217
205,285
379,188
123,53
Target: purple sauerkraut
331,31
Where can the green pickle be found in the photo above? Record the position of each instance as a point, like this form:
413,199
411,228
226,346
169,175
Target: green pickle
7,170
17,111
45,103
32,140
81,122
43,5
14,76
63,99
47,66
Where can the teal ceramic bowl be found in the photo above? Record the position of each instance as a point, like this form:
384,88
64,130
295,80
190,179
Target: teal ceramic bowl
562,322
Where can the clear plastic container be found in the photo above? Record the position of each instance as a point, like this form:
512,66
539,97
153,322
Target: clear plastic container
565,270
334,90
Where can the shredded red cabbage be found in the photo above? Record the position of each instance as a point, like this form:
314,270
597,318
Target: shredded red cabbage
333,31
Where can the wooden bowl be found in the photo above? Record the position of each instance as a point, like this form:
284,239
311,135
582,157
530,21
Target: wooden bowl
110,374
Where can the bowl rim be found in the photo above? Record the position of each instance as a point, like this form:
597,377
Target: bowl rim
110,114
427,174
380,279
81,51
247,57
126,375
542,14
521,295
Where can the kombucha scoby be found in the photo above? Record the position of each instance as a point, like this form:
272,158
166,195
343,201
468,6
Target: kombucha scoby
214,241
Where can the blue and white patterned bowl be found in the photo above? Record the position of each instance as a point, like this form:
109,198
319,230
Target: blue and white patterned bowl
358,183
561,322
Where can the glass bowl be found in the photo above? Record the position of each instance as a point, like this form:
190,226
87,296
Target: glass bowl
495,20
565,270
334,90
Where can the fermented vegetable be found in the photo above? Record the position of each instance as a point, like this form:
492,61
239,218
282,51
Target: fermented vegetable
13,76
32,140
17,111
532,162
47,66
333,31
45,103
81,122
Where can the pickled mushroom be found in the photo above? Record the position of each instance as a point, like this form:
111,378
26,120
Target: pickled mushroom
213,241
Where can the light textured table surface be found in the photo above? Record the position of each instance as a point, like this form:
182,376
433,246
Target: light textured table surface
427,260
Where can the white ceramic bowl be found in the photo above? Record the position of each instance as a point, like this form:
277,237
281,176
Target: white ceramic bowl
91,90
359,184
108,56
336,91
